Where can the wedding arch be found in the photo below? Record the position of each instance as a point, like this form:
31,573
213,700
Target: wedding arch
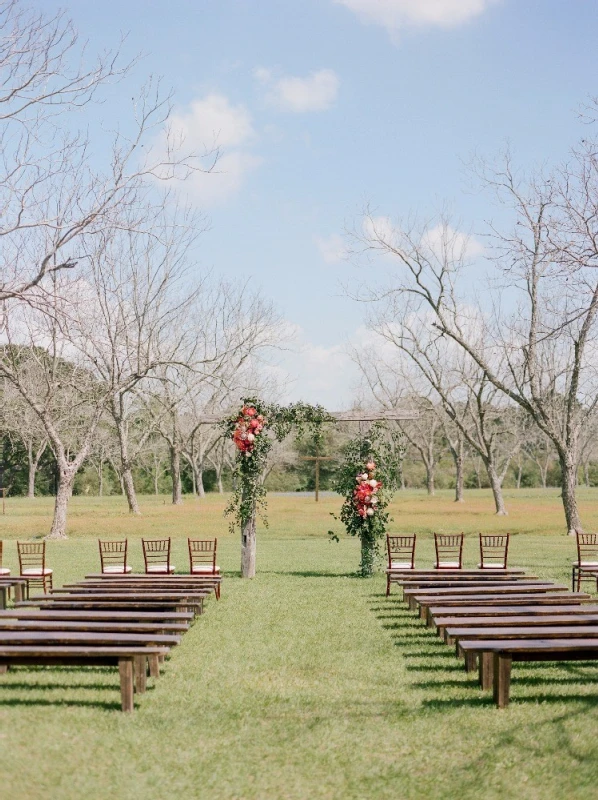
249,428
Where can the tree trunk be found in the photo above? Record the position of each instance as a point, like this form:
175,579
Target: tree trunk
219,478
248,547
519,471
101,478
127,483
175,466
496,486
199,482
63,495
569,479
129,487
586,474
430,478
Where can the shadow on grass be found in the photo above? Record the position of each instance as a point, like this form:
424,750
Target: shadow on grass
45,687
308,573
12,702
443,704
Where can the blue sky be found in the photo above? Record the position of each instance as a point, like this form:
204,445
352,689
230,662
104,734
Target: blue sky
322,106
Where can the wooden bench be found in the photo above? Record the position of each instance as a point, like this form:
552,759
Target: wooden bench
503,653
19,612
6,584
576,607
413,594
516,620
429,606
116,601
458,635
396,575
93,639
130,661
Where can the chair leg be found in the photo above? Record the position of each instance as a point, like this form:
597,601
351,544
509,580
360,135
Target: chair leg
387,585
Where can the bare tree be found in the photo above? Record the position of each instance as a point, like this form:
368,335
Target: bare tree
140,295
233,329
542,355
43,74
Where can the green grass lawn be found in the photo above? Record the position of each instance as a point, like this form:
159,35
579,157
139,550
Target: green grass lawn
305,682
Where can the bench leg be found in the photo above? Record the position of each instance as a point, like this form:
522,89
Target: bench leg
502,679
125,669
486,670
154,666
422,612
470,662
140,674
3,593
19,593
3,669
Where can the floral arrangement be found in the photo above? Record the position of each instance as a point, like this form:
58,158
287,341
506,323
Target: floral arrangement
365,494
253,431
366,479
249,425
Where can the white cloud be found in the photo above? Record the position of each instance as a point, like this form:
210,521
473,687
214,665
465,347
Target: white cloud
316,92
443,240
332,248
379,228
214,122
397,14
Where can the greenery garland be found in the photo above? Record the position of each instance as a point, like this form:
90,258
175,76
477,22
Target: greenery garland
253,430
367,479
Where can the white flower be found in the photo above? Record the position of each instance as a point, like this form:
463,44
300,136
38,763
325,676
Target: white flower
370,512
373,484
374,499
364,476
250,437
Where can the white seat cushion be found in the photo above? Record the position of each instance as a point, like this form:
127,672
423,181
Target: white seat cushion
585,563
400,565
36,571
490,566
204,568
117,569
447,564
160,568
4,571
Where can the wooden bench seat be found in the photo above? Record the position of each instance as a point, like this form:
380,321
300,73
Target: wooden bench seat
413,595
577,607
14,624
130,661
457,635
429,606
504,652
516,620
19,612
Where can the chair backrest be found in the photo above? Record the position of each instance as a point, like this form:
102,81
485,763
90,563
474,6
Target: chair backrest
494,550
449,550
113,554
156,552
587,548
32,555
202,553
401,550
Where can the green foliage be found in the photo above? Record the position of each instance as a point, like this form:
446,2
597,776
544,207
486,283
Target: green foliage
368,519
249,493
